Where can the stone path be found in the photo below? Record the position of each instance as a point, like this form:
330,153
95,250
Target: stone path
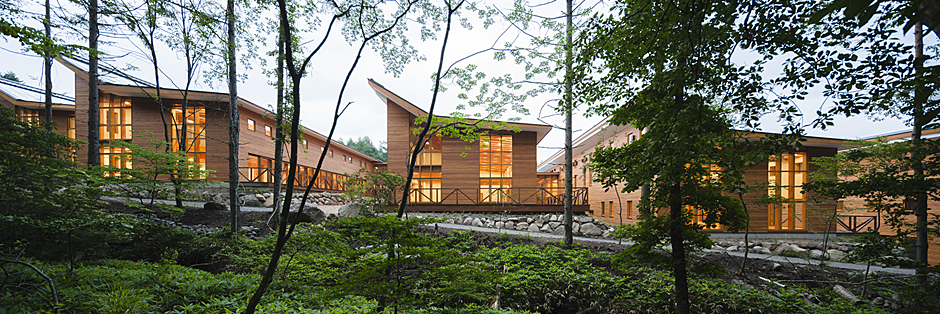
775,258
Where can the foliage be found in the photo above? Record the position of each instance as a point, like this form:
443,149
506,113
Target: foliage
874,172
374,188
10,75
364,145
151,166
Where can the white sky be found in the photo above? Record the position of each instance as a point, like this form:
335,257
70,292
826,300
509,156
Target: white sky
366,117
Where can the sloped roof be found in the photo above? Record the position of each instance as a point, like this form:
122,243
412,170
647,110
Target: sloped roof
32,97
540,129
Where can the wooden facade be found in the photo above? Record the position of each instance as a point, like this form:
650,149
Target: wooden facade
461,180
147,122
618,207
27,105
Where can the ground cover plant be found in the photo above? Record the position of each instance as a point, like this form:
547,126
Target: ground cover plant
345,266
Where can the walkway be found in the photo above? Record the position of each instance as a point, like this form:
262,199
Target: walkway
774,258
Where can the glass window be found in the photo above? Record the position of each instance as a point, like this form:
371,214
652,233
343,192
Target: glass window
786,175
251,125
267,130
194,135
28,115
114,118
495,168
426,183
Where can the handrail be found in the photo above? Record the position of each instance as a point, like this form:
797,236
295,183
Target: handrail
323,182
515,195
852,224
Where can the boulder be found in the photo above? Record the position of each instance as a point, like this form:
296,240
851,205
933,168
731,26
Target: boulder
268,202
815,254
510,225
352,210
500,224
783,247
533,228
467,221
560,230
249,200
477,222
522,226
590,229
214,206
575,227
555,218
546,228
554,224
732,248
836,255
584,219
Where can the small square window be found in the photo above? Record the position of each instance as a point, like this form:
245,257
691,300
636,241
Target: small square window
251,125
344,157
267,130
304,143
331,153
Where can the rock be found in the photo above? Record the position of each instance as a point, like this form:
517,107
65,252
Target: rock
732,248
249,200
477,223
467,221
260,197
533,228
575,228
764,251
500,225
815,254
554,224
878,301
332,216
836,255
590,229
214,206
314,216
529,220
606,234
540,222
724,244
546,228
796,249
554,218
776,267
522,226
352,210
490,224
510,225
268,202
560,230
783,247
585,219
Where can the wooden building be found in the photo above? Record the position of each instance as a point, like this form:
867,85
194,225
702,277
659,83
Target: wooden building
785,174
128,112
28,105
496,173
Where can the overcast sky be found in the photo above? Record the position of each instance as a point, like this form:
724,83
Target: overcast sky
366,116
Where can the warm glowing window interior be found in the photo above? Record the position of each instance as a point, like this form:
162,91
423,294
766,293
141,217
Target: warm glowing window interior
251,125
28,115
426,183
114,118
495,168
786,175
194,135
267,130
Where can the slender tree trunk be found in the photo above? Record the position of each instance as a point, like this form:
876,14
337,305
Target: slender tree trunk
917,157
569,106
47,65
93,150
234,120
676,229
279,134
644,207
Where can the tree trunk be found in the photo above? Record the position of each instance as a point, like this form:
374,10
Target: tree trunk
94,159
676,229
47,66
279,134
234,120
568,107
917,157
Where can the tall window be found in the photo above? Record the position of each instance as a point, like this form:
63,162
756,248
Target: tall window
194,135
260,169
251,125
116,157
27,115
115,118
495,168
71,128
786,174
426,184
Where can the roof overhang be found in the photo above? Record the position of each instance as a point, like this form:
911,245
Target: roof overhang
388,96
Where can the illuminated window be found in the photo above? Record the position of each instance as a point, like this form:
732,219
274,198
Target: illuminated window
114,118
260,169
630,209
304,141
115,157
28,115
267,130
495,168
71,127
331,153
344,158
612,209
251,125
195,134
698,217
426,183
786,175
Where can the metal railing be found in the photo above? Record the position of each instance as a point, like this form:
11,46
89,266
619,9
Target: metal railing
481,196
325,181
857,223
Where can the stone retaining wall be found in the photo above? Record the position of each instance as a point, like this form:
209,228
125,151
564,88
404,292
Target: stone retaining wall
546,223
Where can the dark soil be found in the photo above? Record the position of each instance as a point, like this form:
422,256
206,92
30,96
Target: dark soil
193,216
